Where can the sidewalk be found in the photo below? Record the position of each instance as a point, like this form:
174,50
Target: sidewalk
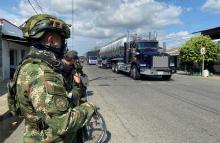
3,104
3,98
212,77
10,126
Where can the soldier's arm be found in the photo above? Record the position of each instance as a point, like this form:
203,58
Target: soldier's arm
50,101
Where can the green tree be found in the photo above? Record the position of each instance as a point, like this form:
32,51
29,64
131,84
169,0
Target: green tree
96,48
190,51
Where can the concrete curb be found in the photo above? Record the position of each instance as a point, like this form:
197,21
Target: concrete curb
213,77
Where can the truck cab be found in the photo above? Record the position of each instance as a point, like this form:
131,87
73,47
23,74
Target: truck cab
92,60
144,57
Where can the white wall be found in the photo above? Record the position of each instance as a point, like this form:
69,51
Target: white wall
6,47
5,60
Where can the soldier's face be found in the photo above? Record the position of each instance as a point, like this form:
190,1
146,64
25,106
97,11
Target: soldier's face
53,39
72,62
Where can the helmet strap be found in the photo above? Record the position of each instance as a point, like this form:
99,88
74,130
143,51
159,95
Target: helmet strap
58,52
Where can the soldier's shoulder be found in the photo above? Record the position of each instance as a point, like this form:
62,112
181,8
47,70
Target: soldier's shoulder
35,63
28,65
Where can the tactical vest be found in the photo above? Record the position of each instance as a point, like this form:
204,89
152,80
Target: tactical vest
56,65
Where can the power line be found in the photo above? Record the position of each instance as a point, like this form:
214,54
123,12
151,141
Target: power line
38,4
32,6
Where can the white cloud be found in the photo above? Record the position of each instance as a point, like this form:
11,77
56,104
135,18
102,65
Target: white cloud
105,18
178,34
139,13
175,39
212,6
90,30
25,9
13,18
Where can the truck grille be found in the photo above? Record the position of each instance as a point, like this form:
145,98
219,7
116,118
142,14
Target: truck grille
160,61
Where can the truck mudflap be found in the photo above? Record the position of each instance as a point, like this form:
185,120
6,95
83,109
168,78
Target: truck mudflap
153,71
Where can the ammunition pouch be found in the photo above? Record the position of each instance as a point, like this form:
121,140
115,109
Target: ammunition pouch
39,125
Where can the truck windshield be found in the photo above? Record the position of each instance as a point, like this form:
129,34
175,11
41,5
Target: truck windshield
92,58
143,45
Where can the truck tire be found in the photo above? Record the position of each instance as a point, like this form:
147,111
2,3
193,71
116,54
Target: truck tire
135,74
166,77
113,67
116,68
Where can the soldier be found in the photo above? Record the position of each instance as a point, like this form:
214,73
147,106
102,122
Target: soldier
75,77
70,59
41,92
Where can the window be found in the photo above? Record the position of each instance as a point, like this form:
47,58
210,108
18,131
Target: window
142,45
12,57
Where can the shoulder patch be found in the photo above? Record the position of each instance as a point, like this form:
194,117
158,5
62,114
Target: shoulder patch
54,89
61,103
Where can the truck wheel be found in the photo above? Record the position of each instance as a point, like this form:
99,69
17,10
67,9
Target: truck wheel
166,77
113,67
116,68
135,74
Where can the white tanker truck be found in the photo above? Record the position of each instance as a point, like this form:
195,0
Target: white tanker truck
137,56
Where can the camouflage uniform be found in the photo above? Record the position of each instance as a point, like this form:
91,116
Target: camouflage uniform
42,98
79,88
49,115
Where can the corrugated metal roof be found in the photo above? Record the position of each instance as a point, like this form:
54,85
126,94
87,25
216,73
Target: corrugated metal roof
214,33
2,20
8,28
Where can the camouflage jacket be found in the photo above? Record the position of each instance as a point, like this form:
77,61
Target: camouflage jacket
49,116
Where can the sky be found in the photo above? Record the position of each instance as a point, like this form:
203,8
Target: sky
97,22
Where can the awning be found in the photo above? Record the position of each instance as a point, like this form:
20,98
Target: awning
214,33
14,39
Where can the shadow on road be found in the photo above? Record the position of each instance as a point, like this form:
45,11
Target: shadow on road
97,78
106,78
8,125
89,93
153,78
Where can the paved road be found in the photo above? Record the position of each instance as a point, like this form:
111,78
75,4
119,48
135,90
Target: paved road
183,110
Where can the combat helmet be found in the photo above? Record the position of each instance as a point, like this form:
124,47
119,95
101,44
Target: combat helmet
71,55
36,26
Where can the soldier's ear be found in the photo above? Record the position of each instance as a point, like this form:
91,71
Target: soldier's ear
50,39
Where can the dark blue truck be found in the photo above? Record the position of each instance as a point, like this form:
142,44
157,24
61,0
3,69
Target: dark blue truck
138,56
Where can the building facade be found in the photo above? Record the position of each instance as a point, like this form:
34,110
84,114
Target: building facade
11,52
214,34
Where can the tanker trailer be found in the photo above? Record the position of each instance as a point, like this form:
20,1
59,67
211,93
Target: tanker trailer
138,56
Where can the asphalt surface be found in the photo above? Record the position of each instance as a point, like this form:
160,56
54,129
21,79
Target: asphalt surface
185,109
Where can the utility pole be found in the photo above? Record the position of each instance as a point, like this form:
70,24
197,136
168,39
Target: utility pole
72,28
203,51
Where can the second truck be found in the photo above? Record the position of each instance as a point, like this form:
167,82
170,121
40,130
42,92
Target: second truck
138,56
